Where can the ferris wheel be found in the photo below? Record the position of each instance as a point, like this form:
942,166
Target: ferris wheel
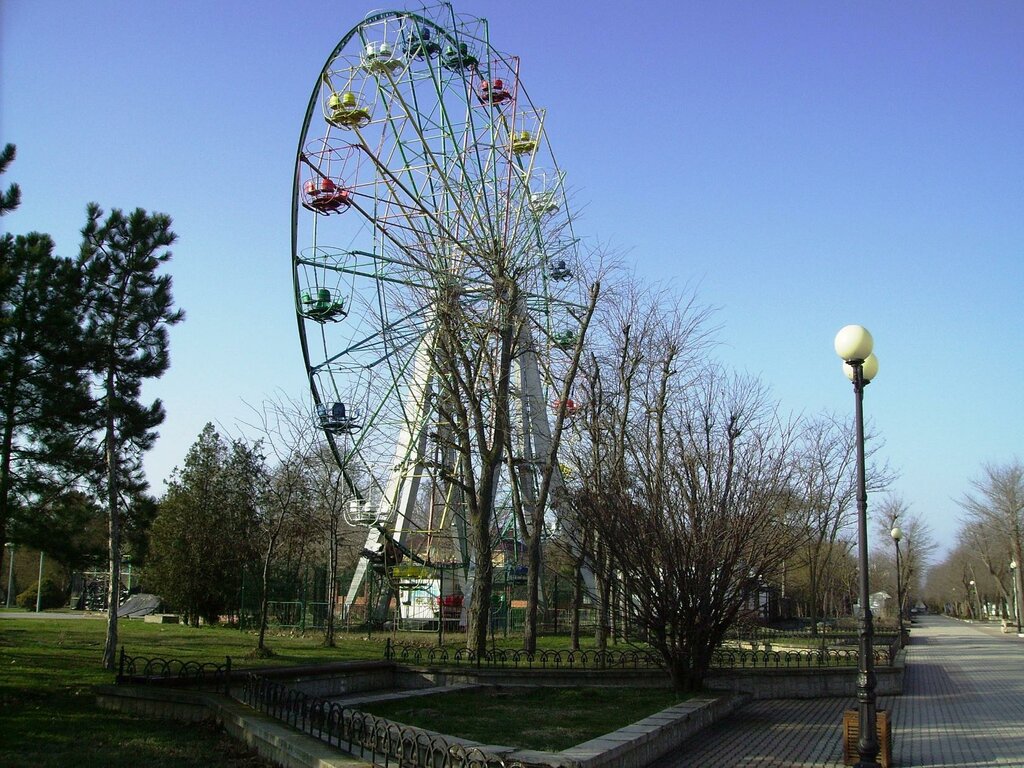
421,160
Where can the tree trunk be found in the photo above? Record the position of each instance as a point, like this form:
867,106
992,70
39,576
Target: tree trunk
5,482
603,577
533,563
264,597
1018,573
114,531
813,588
480,608
577,604
332,587
615,616
686,678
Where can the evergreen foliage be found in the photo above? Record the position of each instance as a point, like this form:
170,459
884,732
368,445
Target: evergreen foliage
78,338
52,595
10,199
43,393
70,529
202,536
129,309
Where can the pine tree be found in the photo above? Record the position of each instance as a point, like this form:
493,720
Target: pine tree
42,395
129,309
10,199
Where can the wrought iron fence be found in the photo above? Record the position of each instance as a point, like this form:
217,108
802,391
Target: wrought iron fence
724,658
434,655
139,669
737,658
382,741
825,633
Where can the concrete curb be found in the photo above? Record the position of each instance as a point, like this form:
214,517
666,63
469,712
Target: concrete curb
646,740
634,746
269,737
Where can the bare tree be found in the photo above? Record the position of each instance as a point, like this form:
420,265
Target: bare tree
996,505
948,587
825,484
331,494
473,358
483,334
639,333
685,475
535,501
917,545
703,525
286,498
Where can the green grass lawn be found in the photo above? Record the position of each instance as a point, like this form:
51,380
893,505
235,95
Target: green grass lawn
49,717
548,719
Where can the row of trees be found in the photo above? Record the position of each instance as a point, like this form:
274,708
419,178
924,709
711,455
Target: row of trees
679,488
685,490
691,491
977,571
78,337
247,506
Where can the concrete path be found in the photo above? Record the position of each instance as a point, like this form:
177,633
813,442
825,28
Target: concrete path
51,615
962,705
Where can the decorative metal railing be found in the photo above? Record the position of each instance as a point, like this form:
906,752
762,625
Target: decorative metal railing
384,742
826,634
724,658
139,669
373,738
728,658
411,653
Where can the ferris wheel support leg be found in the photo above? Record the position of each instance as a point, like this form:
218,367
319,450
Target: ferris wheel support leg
406,471
373,544
462,582
531,398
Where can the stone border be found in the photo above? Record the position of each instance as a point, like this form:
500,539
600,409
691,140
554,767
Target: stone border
271,738
634,746
641,743
631,747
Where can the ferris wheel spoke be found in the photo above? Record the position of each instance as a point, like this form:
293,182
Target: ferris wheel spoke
411,208
447,132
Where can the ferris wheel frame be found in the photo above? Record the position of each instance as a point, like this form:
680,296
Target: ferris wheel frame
319,195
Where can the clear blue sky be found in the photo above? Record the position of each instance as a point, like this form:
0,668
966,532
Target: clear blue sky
806,165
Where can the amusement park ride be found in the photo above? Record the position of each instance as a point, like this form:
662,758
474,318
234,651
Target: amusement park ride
422,163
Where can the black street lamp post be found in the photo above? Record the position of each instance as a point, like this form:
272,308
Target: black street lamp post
897,535
853,344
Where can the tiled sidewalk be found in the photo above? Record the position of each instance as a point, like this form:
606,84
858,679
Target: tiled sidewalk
962,705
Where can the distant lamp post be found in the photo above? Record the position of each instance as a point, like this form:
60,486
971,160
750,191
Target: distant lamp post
1016,596
853,344
897,535
10,571
977,601
39,585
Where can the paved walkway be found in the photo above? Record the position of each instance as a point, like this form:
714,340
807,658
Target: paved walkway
962,705
51,615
